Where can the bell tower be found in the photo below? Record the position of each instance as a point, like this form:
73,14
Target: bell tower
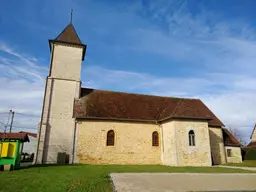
63,84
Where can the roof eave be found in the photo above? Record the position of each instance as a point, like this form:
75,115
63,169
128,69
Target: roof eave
188,118
115,119
141,120
232,145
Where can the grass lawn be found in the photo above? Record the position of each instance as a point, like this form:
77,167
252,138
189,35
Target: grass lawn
89,178
246,163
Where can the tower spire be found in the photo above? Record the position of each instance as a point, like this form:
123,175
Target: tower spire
71,16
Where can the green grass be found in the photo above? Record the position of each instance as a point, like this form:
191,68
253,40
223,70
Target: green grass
246,163
89,178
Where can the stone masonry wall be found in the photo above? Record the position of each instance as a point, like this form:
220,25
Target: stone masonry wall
60,127
236,155
43,123
133,143
198,155
169,144
67,62
217,146
63,86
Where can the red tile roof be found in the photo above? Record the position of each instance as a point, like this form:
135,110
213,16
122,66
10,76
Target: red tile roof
229,139
19,136
112,105
30,134
252,144
253,131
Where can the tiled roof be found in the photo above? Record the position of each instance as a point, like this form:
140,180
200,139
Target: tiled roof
252,144
69,35
253,131
111,105
30,134
18,136
229,139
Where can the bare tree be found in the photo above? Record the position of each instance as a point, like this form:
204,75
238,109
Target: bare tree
238,135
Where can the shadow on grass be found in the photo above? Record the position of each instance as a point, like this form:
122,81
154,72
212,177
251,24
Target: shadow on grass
50,165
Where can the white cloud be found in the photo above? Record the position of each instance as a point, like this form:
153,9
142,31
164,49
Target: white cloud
219,52
21,87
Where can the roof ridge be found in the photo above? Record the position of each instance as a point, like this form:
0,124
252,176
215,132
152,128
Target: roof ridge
176,108
141,94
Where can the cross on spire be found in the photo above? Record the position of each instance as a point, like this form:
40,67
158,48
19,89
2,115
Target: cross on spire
71,15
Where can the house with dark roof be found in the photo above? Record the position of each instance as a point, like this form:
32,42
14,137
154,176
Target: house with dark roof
83,125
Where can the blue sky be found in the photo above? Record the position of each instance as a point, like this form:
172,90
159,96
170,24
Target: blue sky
196,48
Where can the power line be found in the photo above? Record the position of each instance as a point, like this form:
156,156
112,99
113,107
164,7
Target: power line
27,114
4,112
21,127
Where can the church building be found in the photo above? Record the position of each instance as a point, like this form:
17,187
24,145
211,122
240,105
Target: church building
90,126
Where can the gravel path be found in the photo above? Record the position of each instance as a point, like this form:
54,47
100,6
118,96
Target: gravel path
168,182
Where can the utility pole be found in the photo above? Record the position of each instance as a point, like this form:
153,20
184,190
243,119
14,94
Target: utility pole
12,112
6,125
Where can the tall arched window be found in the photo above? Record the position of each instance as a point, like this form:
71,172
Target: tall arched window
191,137
155,139
111,138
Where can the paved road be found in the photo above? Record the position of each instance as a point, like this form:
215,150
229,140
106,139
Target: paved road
170,182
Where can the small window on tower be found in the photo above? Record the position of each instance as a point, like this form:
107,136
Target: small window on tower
229,152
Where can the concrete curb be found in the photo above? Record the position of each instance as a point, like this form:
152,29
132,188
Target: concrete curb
112,183
234,167
159,173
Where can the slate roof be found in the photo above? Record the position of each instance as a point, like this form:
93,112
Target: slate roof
229,139
19,136
100,104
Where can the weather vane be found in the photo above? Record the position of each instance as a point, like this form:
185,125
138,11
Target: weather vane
71,15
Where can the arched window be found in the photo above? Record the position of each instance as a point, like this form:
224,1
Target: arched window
110,138
191,137
155,139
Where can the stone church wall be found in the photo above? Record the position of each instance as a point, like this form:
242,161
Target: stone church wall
236,155
169,144
217,146
67,62
63,86
198,155
60,127
133,143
